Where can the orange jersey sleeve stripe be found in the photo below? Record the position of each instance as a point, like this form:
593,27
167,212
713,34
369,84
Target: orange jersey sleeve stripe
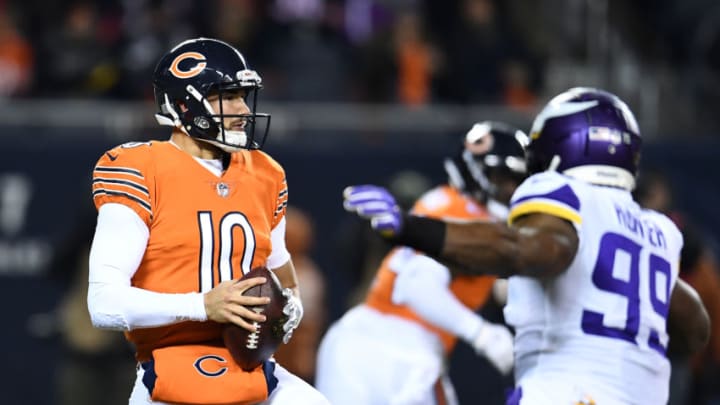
282,199
122,184
120,170
104,182
104,192
281,207
281,203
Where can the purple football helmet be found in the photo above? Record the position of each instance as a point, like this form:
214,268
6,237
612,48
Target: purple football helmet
588,134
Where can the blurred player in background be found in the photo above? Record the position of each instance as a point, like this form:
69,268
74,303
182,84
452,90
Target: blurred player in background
594,287
180,221
417,308
358,250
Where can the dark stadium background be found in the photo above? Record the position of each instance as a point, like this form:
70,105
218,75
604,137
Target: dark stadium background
338,116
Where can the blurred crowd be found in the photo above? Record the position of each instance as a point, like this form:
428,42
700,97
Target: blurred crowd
659,55
311,50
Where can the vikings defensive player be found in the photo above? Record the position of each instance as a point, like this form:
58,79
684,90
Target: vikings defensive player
416,308
594,285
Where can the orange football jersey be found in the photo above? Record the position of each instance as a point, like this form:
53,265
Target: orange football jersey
441,202
204,229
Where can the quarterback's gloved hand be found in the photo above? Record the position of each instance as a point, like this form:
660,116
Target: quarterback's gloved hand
495,342
376,204
294,310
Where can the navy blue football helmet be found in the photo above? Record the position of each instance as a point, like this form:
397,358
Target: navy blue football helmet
488,146
588,134
192,71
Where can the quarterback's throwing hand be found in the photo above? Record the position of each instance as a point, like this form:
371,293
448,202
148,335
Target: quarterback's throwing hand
376,204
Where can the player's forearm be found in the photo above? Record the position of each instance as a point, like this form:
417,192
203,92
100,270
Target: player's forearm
482,247
287,276
688,320
472,246
120,307
117,250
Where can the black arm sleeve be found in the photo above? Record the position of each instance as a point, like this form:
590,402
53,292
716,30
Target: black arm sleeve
424,234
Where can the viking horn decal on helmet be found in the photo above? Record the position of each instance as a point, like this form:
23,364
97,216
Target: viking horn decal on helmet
194,71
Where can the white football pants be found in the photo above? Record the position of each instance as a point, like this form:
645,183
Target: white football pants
370,358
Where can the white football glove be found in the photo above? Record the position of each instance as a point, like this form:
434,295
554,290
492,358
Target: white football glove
294,310
495,342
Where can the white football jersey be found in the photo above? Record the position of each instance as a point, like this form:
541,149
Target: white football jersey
603,321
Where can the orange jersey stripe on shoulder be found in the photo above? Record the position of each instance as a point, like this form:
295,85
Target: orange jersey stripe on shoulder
441,202
120,177
282,201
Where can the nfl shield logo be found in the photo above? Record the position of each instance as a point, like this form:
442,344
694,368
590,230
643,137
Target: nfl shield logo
222,189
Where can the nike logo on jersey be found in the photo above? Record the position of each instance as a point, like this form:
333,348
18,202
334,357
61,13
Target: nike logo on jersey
111,156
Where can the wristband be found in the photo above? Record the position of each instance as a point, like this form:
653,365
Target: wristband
421,233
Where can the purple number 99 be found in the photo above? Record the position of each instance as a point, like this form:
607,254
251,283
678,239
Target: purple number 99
604,278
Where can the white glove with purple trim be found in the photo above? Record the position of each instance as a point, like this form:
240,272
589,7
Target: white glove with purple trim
376,204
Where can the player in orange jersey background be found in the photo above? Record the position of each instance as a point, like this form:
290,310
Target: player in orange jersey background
417,308
179,221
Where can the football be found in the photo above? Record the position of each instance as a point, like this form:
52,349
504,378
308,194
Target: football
250,349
